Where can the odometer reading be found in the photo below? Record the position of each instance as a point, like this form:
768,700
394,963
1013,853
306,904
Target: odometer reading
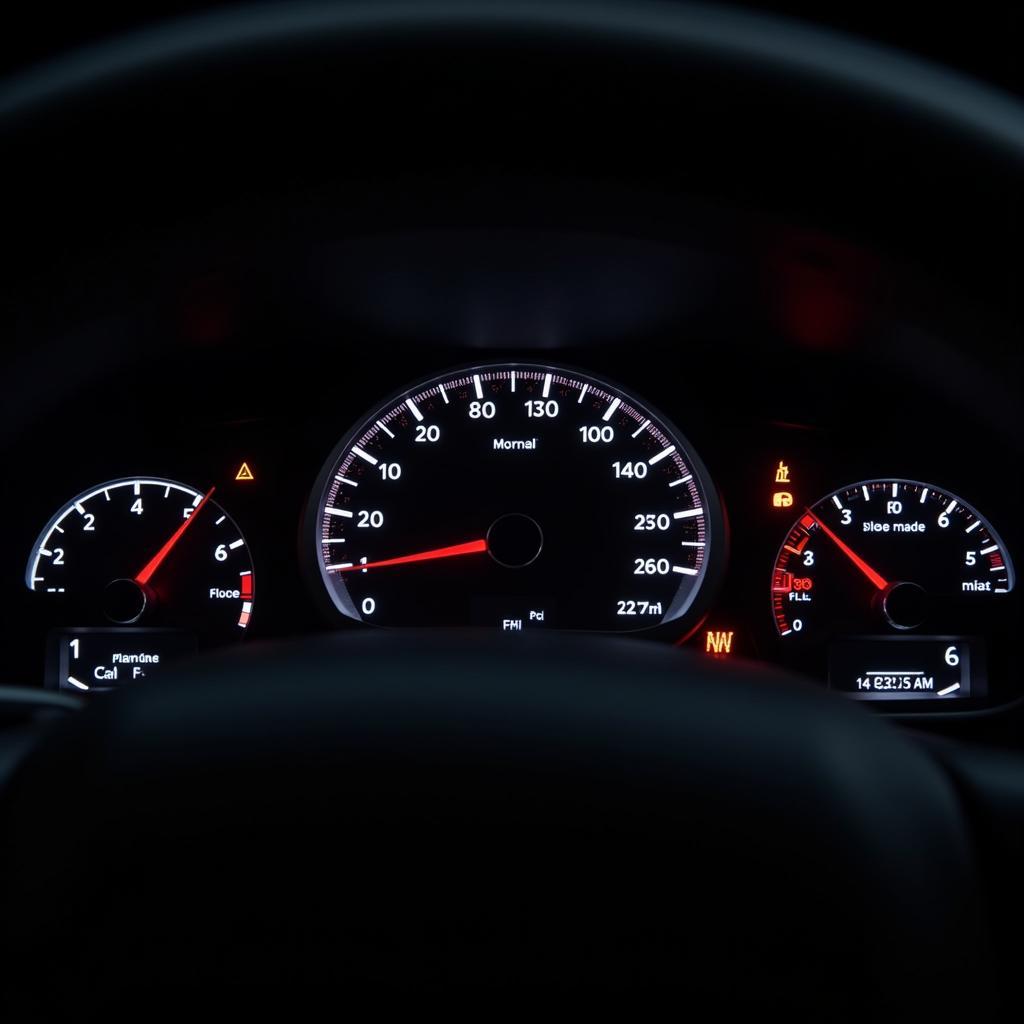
514,496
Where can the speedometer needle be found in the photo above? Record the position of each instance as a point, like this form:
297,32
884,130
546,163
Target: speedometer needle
472,547
878,580
157,560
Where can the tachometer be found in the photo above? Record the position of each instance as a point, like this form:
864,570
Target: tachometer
515,496
136,572
893,583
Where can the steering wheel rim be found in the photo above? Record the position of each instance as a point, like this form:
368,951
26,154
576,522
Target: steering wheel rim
921,89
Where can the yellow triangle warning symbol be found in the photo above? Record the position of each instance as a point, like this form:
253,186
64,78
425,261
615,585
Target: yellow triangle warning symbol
244,472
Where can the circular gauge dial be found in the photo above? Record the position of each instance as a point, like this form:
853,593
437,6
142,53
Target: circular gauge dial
515,496
887,554
145,552
892,578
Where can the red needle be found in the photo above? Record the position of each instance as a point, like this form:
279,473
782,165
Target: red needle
473,547
155,562
875,578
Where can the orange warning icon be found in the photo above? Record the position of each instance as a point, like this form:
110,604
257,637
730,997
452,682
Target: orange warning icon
244,472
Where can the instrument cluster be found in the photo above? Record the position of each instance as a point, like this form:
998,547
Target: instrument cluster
517,495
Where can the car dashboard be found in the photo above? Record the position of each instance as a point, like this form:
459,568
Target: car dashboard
517,494
845,520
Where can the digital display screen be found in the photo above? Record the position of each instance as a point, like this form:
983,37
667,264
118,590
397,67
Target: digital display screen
96,660
907,668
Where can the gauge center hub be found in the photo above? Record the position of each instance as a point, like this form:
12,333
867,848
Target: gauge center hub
515,540
124,601
905,605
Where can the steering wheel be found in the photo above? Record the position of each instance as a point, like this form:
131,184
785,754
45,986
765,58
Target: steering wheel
446,813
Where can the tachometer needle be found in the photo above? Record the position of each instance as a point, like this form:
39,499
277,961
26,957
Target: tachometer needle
472,547
157,560
878,580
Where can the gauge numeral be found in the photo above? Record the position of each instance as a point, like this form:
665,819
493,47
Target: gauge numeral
428,434
220,552
597,435
537,409
644,521
390,470
368,606
137,506
482,410
370,519
952,656
630,470
651,567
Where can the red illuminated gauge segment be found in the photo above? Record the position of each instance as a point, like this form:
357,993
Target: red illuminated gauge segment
145,553
888,556
515,496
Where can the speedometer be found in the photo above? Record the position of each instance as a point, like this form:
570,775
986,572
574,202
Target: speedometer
515,496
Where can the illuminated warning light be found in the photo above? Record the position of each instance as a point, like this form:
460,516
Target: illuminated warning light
718,641
807,522
782,499
244,472
783,582
782,473
246,583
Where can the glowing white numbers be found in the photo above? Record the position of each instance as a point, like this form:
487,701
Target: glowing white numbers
630,470
482,410
373,520
536,409
643,521
428,435
597,435
651,567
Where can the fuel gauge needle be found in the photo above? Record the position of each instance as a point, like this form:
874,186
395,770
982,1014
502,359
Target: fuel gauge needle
876,578
157,560
472,547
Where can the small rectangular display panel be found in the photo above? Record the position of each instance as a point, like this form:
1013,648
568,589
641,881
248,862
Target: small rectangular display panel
907,668
95,660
